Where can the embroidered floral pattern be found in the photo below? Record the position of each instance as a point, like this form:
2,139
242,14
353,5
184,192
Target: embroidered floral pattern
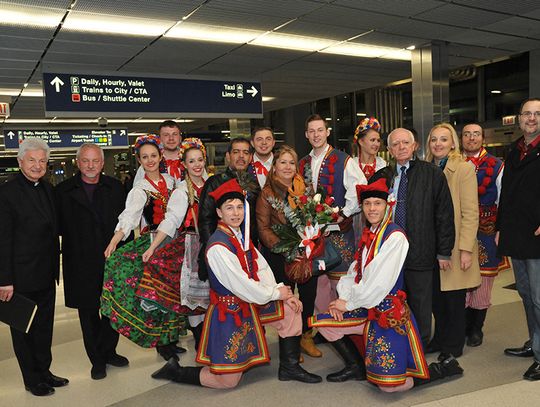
483,257
342,246
236,343
378,352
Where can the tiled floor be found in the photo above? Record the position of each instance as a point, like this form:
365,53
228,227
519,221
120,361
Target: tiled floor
490,378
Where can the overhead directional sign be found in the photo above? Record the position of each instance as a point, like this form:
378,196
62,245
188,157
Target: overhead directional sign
69,138
91,95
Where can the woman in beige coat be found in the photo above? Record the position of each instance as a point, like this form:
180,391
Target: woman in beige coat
451,283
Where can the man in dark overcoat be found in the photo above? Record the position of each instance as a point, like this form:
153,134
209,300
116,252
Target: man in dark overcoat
88,207
29,262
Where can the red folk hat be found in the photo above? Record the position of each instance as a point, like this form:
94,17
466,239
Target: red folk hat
228,190
377,189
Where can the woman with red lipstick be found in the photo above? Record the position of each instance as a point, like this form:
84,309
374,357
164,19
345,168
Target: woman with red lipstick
138,320
367,139
162,283
462,271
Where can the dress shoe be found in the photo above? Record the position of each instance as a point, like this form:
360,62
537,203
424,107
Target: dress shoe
450,367
167,352
117,360
533,372
432,347
55,381
40,389
98,372
475,339
445,355
522,352
308,346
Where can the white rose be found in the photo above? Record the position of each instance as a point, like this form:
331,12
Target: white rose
336,209
317,198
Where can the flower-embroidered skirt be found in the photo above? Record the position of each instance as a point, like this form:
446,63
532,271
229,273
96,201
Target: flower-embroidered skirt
237,342
145,326
391,354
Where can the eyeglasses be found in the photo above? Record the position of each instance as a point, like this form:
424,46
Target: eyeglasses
528,115
472,134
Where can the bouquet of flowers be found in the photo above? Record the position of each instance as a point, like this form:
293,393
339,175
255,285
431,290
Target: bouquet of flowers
302,238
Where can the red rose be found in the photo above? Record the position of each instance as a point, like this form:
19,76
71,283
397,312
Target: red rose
303,199
335,216
319,208
489,171
329,200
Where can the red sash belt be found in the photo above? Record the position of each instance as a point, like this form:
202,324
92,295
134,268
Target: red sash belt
488,211
387,319
223,301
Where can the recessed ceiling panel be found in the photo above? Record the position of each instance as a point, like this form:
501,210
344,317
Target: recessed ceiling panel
421,29
516,26
504,6
277,8
394,7
469,51
229,18
520,45
360,20
482,38
460,16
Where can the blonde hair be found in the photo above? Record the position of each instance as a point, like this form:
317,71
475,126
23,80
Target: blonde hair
455,152
284,149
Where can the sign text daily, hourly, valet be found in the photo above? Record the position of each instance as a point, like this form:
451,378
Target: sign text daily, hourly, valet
109,94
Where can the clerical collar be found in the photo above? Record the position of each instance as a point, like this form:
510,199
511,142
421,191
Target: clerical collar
30,182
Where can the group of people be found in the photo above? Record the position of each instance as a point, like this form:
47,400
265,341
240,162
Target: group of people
414,239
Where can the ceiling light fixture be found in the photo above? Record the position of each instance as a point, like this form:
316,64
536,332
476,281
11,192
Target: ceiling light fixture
290,41
121,25
496,92
116,25
212,33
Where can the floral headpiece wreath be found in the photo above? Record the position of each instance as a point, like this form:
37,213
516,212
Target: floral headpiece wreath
147,139
191,142
367,124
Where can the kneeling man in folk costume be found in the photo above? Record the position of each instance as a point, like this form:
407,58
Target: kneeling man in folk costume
244,296
371,303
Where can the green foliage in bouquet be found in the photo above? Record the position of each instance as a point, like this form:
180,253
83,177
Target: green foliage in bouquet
310,210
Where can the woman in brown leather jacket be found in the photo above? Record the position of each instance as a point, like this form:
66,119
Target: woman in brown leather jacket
285,183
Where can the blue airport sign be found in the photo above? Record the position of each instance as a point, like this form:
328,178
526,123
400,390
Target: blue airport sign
69,138
91,95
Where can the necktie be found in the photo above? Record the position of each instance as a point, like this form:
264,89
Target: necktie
400,216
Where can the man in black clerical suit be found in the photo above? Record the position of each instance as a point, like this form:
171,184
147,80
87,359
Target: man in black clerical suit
29,262
88,206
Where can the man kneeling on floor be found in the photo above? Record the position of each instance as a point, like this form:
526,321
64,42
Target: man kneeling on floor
371,303
244,295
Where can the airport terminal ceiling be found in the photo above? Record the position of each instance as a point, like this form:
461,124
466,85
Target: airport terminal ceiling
300,50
